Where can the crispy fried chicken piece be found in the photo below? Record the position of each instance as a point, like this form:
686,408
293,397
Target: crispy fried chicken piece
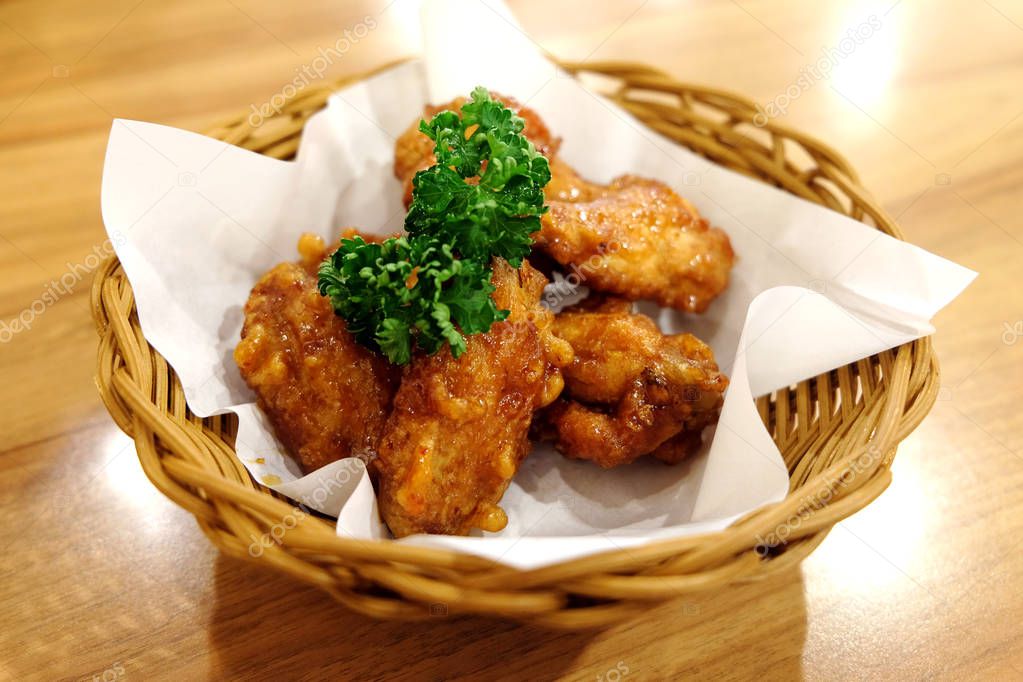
326,396
458,432
635,237
631,390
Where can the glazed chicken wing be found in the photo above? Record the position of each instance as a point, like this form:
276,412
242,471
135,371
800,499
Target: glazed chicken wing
459,428
631,390
635,237
326,396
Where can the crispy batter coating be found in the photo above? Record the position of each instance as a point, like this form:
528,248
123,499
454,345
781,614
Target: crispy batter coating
631,390
326,396
458,432
635,237
312,250
567,185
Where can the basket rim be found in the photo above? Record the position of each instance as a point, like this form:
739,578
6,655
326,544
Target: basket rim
134,380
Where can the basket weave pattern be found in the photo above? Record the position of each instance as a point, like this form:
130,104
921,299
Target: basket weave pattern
837,432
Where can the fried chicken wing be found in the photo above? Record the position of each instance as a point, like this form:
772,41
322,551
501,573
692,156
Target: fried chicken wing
458,431
634,237
326,396
631,390
638,239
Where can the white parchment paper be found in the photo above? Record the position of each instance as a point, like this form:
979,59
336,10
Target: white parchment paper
199,221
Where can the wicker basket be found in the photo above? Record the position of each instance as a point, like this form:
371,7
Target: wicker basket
836,432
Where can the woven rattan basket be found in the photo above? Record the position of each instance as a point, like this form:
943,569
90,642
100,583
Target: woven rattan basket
837,432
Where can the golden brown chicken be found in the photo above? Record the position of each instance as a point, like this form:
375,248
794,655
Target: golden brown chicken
638,239
326,396
631,390
635,237
458,432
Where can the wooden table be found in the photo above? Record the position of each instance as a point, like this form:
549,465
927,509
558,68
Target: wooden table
103,578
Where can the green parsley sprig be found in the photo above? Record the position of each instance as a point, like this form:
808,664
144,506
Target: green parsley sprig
483,198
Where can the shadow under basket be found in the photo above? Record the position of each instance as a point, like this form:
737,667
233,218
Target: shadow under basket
837,432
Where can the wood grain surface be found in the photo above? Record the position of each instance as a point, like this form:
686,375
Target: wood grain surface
103,578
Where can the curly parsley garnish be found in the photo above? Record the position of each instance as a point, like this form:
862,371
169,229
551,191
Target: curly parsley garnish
432,286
